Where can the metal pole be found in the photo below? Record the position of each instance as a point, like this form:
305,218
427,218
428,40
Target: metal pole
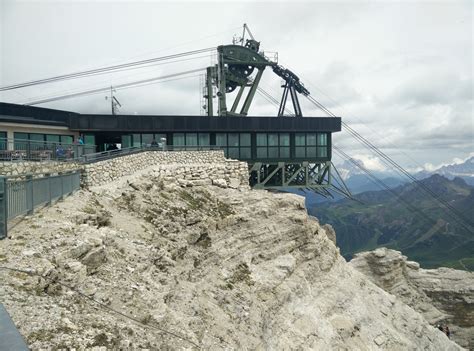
3,207
29,194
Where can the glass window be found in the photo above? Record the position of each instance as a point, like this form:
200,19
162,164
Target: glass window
310,139
322,151
245,139
23,136
261,139
178,139
273,139
67,139
285,139
233,152
3,140
311,151
300,151
51,138
89,139
204,139
322,139
126,141
284,152
191,139
40,137
273,151
262,152
245,153
147,139
221,139
300,139
233,139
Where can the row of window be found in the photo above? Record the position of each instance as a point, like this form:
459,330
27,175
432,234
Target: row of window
49,138
238,145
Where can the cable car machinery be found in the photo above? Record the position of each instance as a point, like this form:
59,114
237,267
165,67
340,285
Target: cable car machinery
235,66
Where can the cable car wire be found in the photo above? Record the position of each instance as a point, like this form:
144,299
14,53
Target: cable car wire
102,70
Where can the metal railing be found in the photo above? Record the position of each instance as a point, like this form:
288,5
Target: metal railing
32,150
20,195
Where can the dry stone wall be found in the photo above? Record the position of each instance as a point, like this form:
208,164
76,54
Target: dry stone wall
13,168
203,167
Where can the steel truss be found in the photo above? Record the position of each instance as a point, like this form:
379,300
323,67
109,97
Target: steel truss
280,175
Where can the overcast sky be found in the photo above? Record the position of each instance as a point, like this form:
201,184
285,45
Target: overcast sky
398,72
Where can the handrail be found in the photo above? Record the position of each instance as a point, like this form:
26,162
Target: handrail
21,194
14,149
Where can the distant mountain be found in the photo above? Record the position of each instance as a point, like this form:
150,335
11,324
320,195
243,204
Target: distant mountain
463,170
422,230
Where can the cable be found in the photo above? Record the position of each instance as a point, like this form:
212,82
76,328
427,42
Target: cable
41,97
120,86
104,306
102,70
458,217
382,184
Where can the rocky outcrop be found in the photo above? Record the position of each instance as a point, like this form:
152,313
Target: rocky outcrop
442,295
194,265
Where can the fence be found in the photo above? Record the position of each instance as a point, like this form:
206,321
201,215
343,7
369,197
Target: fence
31,150
20,195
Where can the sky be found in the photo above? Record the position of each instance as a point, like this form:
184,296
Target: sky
398,72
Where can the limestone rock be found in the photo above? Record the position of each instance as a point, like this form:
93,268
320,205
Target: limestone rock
442,295
217,267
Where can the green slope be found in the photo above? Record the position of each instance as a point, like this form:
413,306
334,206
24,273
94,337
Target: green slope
422,230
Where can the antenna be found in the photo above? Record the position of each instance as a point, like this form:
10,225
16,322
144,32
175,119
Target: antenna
114,103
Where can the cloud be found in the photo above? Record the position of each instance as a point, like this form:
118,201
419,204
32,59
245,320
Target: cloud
400,73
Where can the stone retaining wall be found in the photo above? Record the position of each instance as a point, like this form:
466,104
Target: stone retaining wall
204,167
196,166
12,168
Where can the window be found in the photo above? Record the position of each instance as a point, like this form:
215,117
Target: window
3,140
89,139
191,141
284,145
204,139
322,139
67,139
245,139
126,141
147,139
21,140
262,151
322,151
178,139
221,139
261,139
245,146
300,139
52,138
233,139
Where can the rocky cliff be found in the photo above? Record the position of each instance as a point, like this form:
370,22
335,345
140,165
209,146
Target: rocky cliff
154,262
441,295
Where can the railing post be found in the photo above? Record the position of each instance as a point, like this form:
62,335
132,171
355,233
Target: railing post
61,178
3,207
48,176
29,194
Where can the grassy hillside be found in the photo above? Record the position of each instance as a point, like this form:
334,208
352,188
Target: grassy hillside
422,230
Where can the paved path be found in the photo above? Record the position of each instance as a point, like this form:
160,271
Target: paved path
10,337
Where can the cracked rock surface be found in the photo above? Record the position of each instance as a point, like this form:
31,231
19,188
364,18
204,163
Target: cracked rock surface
198,266
442,295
